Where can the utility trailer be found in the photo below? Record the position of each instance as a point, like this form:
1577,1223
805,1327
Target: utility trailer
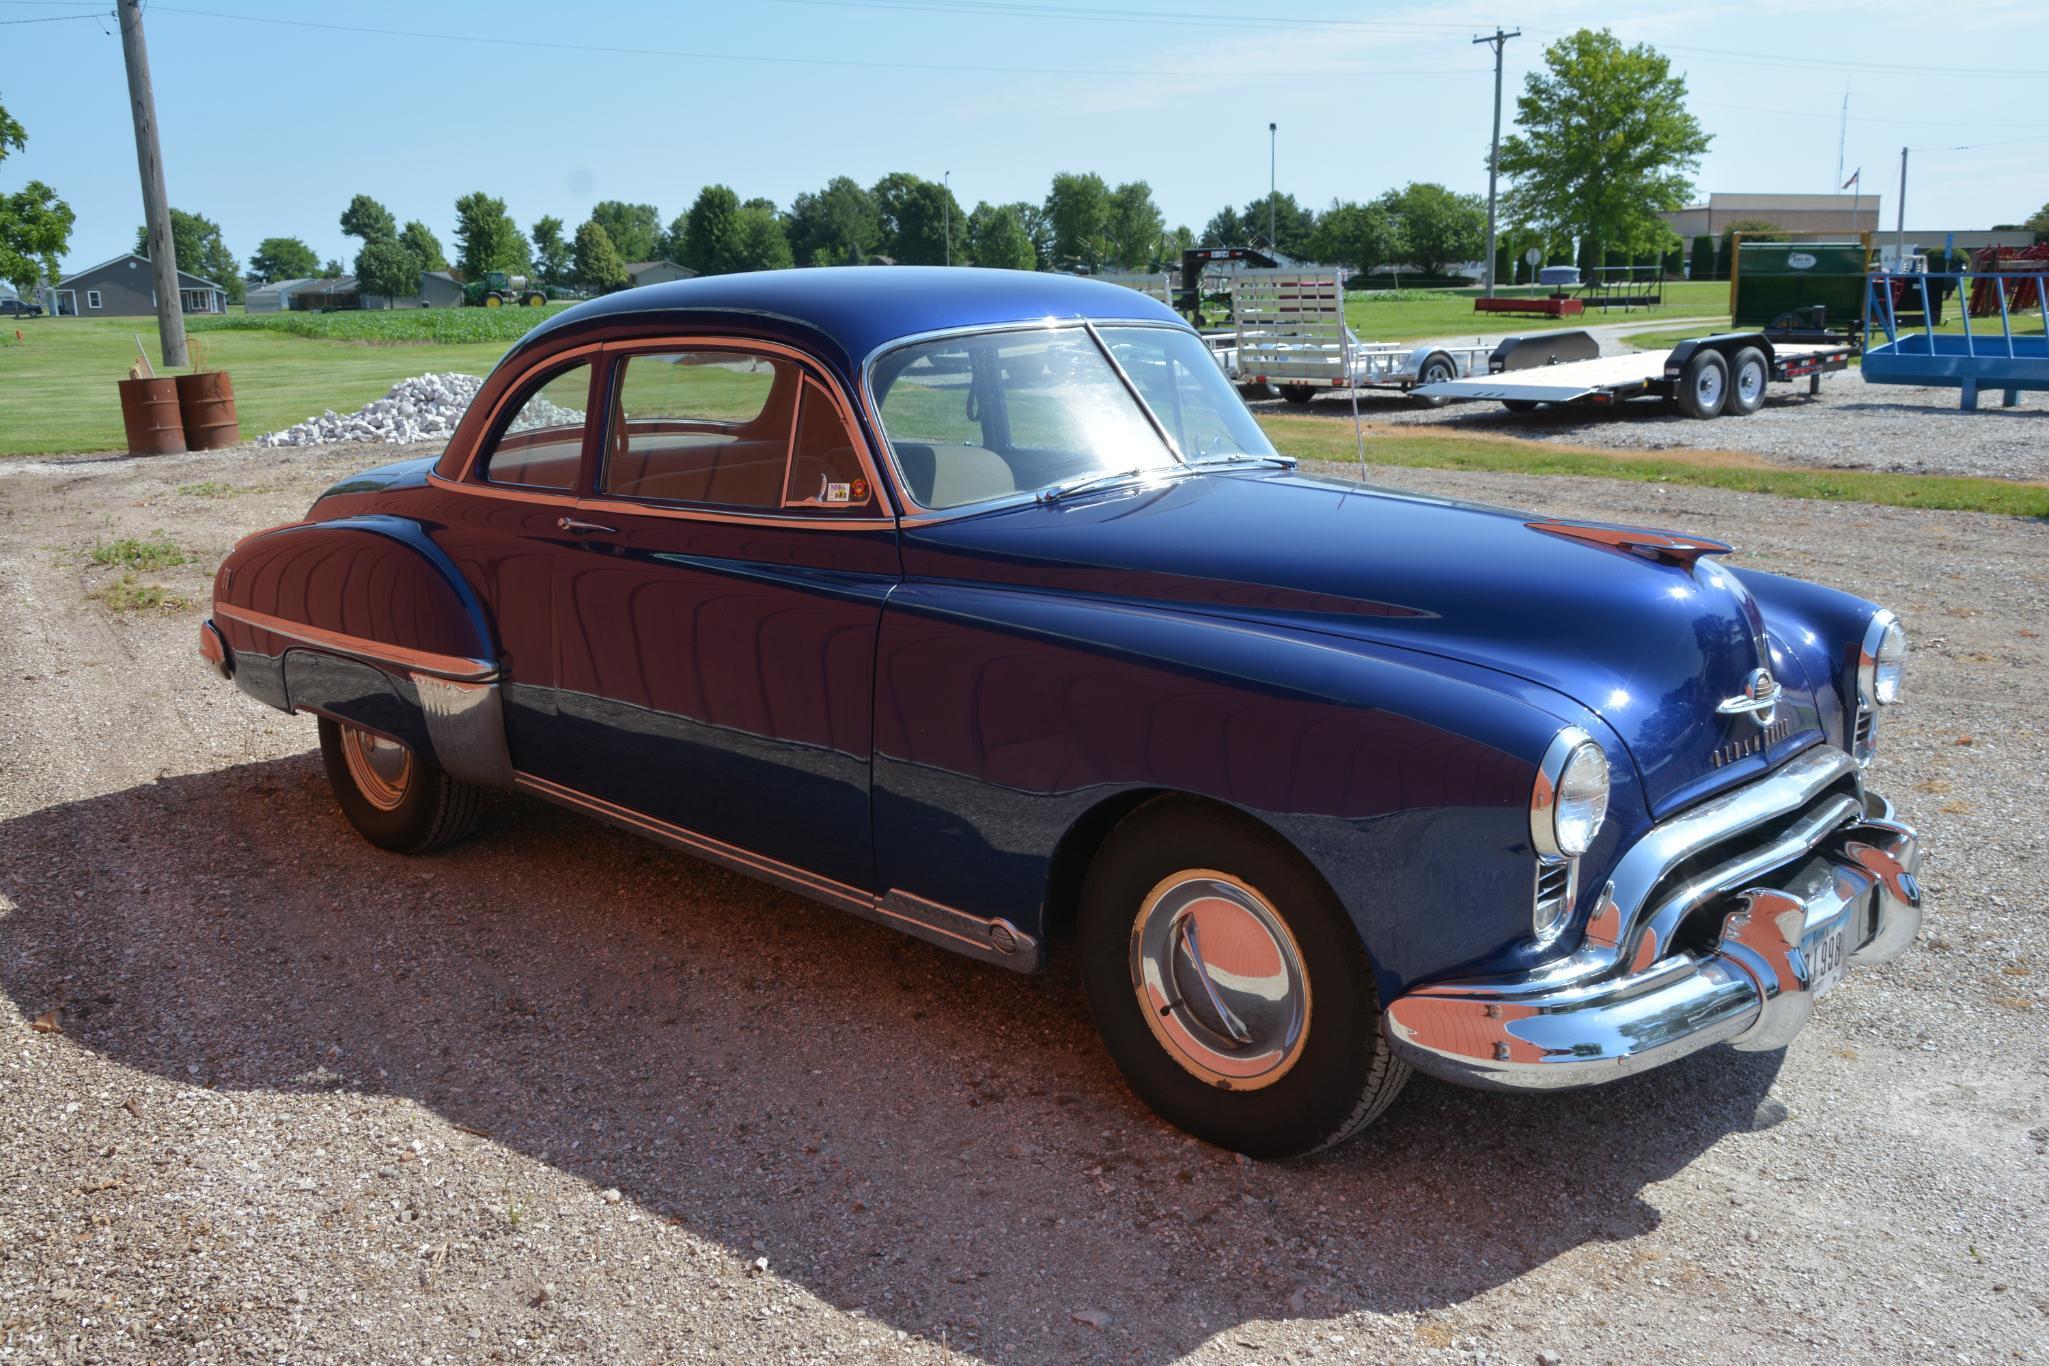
1705,377
1291,334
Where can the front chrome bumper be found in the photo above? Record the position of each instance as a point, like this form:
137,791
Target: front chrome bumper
1832,881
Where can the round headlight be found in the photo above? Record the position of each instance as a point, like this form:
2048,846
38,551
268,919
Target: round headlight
1888,662
1570,799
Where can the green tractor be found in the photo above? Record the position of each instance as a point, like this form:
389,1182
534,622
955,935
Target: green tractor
497,289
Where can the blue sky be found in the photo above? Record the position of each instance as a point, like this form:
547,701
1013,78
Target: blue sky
269,127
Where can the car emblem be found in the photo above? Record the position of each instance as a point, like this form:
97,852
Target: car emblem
1759,701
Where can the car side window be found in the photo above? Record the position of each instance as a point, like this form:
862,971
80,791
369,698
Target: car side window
728,429
542,445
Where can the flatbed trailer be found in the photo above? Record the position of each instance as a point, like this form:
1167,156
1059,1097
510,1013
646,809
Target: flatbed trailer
1704,376
1291,335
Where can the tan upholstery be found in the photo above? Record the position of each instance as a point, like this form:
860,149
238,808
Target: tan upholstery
949,476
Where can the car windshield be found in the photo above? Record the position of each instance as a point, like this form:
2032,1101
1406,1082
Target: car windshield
990,414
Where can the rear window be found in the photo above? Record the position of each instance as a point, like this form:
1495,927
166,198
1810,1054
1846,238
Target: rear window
542,446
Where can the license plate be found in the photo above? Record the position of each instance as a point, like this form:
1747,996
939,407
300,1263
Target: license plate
1827,951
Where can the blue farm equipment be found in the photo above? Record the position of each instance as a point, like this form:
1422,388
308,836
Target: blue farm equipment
2010,356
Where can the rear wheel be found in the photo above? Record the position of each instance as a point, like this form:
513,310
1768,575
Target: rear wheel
534,300
395,798
1229,986
1749,372
1704,385
1255,393
494,301
1436,370
1298,393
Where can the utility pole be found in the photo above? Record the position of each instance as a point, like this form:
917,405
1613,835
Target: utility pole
946,212
1899,230
1273,142
1497,42
156,205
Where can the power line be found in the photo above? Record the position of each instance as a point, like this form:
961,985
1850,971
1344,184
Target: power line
1008,9
616,50
47,19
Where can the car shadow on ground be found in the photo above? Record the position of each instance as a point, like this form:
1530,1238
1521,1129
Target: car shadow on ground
938,1142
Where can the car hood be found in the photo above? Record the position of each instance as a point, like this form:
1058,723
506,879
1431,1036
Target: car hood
1652,645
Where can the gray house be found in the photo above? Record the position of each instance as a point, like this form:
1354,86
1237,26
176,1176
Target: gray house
121,288
440,289
274,297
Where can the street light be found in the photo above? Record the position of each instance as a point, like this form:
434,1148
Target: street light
1272,150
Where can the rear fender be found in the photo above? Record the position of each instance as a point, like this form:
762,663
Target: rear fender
365,620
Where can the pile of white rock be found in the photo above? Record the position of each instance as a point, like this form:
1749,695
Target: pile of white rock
423,408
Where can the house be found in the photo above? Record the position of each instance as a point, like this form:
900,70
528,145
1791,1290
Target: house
122,288
324,295
274,297
440,289
640,273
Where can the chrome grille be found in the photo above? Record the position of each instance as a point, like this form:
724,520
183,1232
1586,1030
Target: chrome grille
1554,895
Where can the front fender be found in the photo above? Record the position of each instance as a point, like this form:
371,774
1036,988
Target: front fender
1822,628
365,620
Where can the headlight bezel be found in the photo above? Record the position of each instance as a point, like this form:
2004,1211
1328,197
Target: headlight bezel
1567,763
1883,648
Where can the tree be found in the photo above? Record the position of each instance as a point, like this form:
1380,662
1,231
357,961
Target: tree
420,240
35,225
282,258
997,238
1078,211
196,242
635,229
1292,224
709,230
927,226
486,238
839,225
1224,229
13,137
1702,258
759,242
1039,228
599,266
890,194
1134,226
1755,229
551,251
332,268
1440,229
2038,223
1605,143
387,267
1362,236
368,220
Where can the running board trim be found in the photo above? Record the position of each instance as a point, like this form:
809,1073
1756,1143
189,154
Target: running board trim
995,941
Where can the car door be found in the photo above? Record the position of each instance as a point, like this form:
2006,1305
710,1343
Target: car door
717,613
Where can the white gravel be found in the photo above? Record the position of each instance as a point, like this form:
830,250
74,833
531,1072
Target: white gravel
423,408
1850,425
310,1101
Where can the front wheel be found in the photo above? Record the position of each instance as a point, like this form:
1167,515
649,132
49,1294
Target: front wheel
1229,985
1704,385
494,301
395,798
1435,370
1298,393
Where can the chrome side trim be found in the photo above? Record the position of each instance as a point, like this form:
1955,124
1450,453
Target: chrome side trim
466,725
396,658
995,940
1863,720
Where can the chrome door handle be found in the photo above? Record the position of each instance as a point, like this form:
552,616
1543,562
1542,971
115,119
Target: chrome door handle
576,528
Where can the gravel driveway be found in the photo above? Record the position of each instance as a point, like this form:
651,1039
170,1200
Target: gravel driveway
1849,425
560,1093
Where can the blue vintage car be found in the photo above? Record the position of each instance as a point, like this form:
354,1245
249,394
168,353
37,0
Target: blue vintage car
975,603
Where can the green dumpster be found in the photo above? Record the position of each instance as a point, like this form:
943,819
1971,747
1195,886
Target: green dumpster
1774,278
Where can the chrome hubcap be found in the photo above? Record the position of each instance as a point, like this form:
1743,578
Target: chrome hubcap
1220,979
382,768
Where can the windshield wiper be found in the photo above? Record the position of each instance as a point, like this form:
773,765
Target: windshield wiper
1247,458
1095,481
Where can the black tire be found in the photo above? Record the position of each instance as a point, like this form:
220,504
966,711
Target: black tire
1256,393
1336,1077
1520,405
1298,393
1436,369
1704,384
1749,373
421,810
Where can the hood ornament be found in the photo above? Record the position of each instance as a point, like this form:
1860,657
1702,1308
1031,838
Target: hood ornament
1759,699
1670,546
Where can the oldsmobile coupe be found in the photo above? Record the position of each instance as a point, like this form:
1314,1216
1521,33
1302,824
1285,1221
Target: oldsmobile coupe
977,604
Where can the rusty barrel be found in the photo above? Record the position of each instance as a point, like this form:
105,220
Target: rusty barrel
149,410
207,401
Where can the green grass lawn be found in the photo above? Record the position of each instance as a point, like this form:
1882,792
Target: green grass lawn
1414,314
57,391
